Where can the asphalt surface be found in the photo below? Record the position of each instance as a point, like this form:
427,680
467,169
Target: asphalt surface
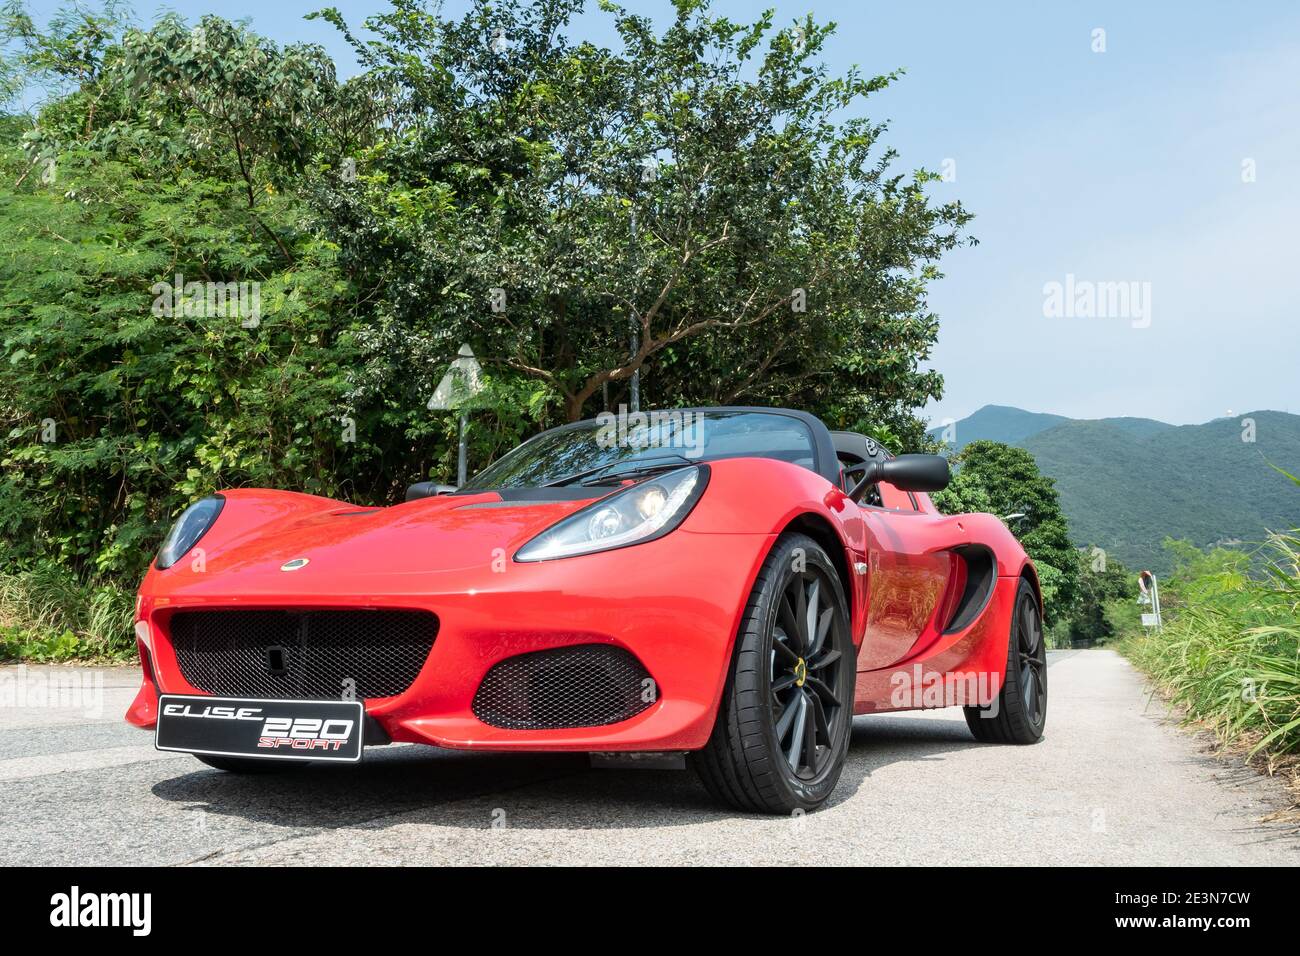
1113,782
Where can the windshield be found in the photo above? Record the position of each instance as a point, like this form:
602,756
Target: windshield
629,442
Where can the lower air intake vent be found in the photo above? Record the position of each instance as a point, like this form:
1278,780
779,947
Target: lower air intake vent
589,685
302,655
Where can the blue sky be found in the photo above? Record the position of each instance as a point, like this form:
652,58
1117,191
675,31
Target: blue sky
1117,166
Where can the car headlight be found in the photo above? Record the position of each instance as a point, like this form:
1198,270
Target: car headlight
192,525
640,513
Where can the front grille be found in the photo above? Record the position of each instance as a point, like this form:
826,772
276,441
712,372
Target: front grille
302,655
589,685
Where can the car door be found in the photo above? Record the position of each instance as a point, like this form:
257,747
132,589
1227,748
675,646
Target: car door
906,582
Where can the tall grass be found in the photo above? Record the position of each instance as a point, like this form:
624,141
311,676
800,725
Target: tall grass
1229,653
48,614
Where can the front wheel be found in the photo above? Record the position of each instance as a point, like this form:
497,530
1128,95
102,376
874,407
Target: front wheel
1021,708
782,730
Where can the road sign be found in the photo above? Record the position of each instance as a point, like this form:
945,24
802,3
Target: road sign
458,391
1149,594
460,386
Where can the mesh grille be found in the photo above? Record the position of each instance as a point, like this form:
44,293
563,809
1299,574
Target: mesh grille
302,655
585,686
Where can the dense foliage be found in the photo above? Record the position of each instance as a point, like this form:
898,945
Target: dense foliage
1229,653
121,402
224,265
695,190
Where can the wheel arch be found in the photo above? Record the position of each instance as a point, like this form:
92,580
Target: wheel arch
823,532
1029,573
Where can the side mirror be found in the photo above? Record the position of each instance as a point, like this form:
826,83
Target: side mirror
906,473
427,489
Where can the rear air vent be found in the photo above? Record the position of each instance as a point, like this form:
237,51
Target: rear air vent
981,576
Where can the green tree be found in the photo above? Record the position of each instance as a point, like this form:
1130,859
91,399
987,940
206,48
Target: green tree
119,400
64,59
1102,581
695,189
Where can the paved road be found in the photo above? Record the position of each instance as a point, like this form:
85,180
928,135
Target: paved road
1113,782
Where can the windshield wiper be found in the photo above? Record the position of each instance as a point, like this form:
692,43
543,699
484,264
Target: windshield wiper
632,473
594,476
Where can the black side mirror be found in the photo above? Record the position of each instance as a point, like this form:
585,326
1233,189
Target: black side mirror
906,473
427,489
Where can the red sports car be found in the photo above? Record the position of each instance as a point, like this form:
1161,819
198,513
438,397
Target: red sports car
731,585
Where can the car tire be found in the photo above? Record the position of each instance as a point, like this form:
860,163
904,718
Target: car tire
782,731
1021,711
245,765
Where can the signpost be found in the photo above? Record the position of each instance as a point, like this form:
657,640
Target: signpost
457,392
1149,589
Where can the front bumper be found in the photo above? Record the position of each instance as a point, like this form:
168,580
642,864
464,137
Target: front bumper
674,604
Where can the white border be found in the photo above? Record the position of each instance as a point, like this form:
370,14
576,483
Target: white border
361,727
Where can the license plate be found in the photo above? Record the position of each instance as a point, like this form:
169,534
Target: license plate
271,729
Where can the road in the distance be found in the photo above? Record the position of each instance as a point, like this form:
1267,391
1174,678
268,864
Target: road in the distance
1112,783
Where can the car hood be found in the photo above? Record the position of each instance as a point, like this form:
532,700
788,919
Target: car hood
249,546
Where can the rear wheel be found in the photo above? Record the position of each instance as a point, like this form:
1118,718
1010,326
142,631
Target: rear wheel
1021,709
248,764
782,731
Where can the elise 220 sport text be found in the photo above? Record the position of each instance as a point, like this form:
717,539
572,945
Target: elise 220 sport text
728,584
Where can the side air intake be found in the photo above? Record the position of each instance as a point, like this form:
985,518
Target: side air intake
981,578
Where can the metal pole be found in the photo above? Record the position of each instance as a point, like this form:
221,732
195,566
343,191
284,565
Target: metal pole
461,476
635,400
1155,602
633,327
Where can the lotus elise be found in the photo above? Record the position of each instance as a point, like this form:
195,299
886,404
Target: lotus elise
724,587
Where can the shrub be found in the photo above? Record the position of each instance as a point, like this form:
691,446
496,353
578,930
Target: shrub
1229,653
46,614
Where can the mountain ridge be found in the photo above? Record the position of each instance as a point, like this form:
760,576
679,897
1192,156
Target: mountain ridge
1127,483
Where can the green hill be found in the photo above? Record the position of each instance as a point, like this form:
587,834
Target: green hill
1000,423
1127,483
